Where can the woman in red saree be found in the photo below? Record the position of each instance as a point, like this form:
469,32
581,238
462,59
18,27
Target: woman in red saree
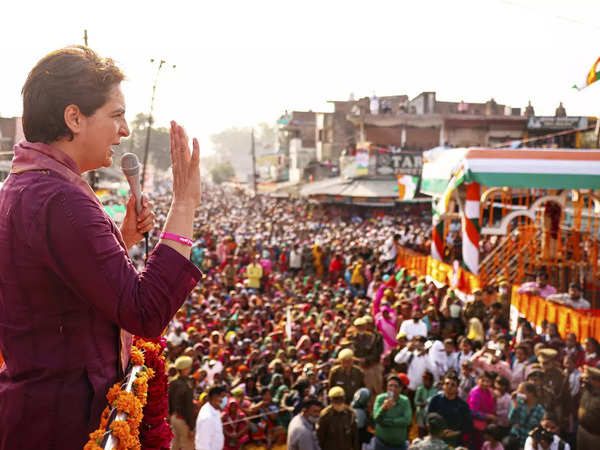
235,426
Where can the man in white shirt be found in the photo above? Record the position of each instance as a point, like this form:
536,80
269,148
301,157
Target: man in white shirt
550,424
415,326
390,252
212,367
178,336
415,355
573,299
295,259
301,431
209,428
451,355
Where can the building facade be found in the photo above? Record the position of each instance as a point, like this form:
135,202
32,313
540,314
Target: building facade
424,122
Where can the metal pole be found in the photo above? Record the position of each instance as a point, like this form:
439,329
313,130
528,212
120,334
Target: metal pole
253,164
150,121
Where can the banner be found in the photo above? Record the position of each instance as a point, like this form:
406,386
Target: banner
362,161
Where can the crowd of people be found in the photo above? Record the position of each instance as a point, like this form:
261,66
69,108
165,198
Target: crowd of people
304,331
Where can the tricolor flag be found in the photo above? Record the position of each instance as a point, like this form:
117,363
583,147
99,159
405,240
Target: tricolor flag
407,187
593,75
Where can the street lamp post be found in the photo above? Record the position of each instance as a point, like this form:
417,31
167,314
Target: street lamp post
151,120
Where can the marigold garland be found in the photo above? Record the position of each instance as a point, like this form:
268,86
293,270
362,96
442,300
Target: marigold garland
155,432
127,432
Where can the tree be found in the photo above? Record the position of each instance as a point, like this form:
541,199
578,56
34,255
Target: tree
222,172
159,151
233,145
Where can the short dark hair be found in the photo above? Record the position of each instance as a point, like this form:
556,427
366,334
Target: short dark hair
551,417
530,387
503,381
542,274
487,374
216,390
311,401
451,376
70,76
494,431
435,423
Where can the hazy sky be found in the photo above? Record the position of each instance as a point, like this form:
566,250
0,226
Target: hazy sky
240,62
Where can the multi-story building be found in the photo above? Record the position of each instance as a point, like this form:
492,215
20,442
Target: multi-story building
296,142
424,122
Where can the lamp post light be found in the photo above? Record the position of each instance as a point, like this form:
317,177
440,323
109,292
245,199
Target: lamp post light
161,63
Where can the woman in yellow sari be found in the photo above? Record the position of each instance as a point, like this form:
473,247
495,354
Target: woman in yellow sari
318,260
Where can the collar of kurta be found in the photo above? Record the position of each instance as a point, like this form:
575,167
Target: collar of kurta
39,156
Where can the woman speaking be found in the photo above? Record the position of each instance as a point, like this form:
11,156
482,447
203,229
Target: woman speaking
70,297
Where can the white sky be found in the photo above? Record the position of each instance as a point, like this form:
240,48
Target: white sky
240,62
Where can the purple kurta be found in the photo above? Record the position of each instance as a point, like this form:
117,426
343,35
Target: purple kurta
67,288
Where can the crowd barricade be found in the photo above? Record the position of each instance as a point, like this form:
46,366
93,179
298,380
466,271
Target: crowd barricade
582,322
422,265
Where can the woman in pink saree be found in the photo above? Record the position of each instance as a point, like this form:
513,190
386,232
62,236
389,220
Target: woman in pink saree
481,403
386,320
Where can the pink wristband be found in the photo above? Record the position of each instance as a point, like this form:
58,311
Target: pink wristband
175,237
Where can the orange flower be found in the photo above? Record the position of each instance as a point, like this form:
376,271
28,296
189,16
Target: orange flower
127,431
121,431
137,357
113,393
95,441
140,388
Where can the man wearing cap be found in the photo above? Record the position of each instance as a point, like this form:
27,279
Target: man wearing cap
181,405
346,375
588,432
554,385
475,308
572,299
392,414
337,425
368,347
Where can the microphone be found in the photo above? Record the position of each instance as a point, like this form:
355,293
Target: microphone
130,165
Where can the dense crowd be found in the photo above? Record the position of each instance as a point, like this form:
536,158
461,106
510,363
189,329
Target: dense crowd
305,330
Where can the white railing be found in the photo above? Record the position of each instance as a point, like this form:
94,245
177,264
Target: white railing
108,442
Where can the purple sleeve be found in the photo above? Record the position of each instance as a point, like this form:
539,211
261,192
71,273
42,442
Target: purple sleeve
86,255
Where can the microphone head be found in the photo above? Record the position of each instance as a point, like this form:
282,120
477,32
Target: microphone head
130,165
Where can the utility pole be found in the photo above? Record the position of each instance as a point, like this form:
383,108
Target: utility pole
253,163
151,120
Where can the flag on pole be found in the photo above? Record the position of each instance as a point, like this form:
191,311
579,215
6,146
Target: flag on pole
592,76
